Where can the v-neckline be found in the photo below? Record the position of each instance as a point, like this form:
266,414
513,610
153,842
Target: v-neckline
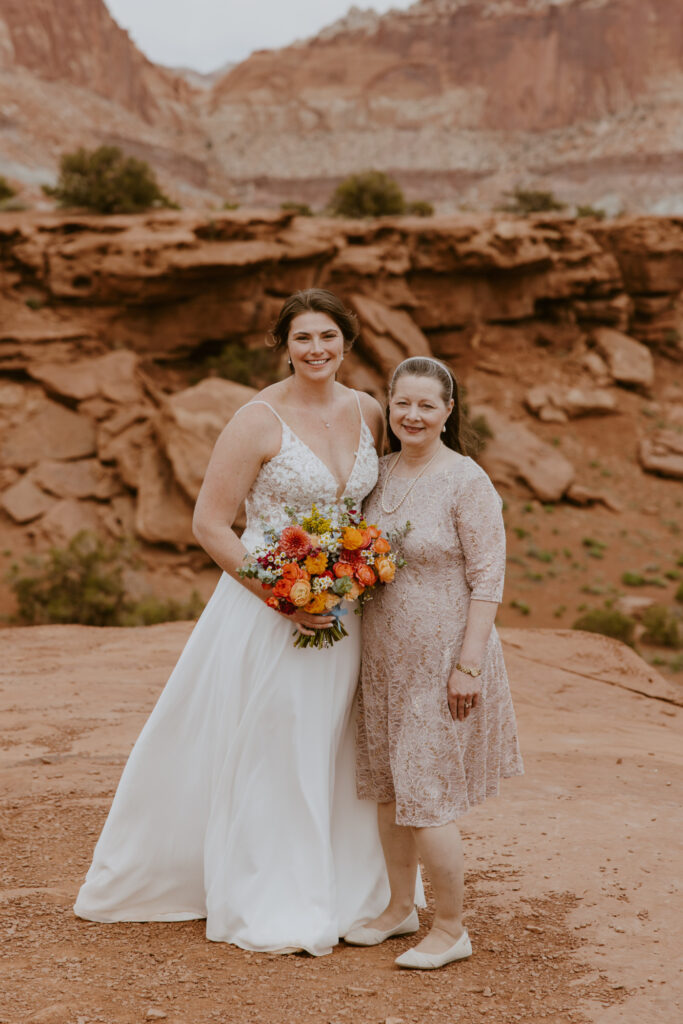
338,494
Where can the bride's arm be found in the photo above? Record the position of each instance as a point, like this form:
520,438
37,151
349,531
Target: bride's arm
251,438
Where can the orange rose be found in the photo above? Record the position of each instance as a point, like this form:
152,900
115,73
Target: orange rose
374,531
365,575
316,564
342,569
290,571
386,569
355,591
331,600
352,538
282,588
273,603
316,605
381,546
300,593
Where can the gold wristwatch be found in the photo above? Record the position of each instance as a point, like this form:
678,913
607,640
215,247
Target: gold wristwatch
468,671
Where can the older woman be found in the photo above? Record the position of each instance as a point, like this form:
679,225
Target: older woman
437,727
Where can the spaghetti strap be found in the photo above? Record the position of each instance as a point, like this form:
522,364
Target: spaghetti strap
360,408
260,401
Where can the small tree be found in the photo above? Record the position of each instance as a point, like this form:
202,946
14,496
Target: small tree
105,180
527,200
368,194
6,190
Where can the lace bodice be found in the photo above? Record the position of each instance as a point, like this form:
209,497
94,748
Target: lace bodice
298,478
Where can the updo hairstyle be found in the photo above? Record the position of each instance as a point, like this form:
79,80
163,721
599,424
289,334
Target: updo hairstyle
314,300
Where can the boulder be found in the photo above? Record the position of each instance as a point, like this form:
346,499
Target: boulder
628,361
633,604
65,519
580,495
49,432
112,376
663,454
24,501
387,335
189,422
164,513
123,439
556,404
514,454
85,478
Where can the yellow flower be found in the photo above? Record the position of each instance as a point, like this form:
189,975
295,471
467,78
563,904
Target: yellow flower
300,593
355,591
352,538
385,569
315,564
317,604
316,523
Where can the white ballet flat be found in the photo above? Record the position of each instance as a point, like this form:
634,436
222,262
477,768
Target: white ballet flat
373,936
430,961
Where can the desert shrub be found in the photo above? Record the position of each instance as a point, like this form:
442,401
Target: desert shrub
521,606
230,205
540,554
255,367
105,180
679,593
661,627
6,190
526,201
84,583
636,579
301,209
420,208
589,211
609,622
368,194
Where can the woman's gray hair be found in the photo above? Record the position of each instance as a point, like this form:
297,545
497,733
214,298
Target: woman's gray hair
425,366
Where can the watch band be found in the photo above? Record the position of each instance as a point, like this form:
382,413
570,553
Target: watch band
468,671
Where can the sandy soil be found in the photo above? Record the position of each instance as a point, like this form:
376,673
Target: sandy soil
571,873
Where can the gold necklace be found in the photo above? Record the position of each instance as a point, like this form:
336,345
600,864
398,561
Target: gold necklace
390,511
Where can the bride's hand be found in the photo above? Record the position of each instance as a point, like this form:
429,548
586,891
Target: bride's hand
308,624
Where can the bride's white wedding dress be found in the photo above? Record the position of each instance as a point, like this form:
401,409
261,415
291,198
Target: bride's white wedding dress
238,801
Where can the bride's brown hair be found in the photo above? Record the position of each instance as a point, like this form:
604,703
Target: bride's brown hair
314,300
458,433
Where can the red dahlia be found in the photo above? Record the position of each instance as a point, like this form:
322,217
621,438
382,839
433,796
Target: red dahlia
295,542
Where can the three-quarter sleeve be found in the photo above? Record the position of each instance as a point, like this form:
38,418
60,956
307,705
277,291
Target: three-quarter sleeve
479,522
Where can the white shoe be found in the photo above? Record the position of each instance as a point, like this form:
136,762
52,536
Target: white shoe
363,936
430,961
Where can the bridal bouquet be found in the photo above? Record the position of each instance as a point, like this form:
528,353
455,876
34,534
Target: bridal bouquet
320,562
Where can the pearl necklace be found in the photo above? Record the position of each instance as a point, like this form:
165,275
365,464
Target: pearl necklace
390,511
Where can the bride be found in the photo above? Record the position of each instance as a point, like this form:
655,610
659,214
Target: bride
238,803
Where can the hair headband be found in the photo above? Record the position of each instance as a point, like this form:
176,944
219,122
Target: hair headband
424,359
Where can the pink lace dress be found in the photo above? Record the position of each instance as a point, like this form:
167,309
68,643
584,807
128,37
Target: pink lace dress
409,748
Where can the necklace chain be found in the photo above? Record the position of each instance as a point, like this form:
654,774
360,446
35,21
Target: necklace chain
390,511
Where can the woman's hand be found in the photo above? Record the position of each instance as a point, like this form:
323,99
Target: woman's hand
307,623
464,692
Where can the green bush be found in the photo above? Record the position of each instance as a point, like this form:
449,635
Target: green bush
255,367
589,211
679,593
609,622
6,190
300,209
526,201
420,208
105,180
661,627
368,194
84,583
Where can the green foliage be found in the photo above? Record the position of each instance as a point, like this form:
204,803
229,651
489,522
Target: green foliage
300,209
594,548
6,190
589,211
636,579
255,367
230,205
482,431
559,611
84,583
526,201
105,180
521,606
609,622
676,664
540,554
368,194
661,627
420,208
679,594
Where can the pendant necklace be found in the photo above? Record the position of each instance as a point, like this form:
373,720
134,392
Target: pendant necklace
390,511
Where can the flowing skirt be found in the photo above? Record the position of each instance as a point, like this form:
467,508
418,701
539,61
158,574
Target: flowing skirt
238,803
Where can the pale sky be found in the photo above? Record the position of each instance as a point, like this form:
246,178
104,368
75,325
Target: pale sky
205,34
